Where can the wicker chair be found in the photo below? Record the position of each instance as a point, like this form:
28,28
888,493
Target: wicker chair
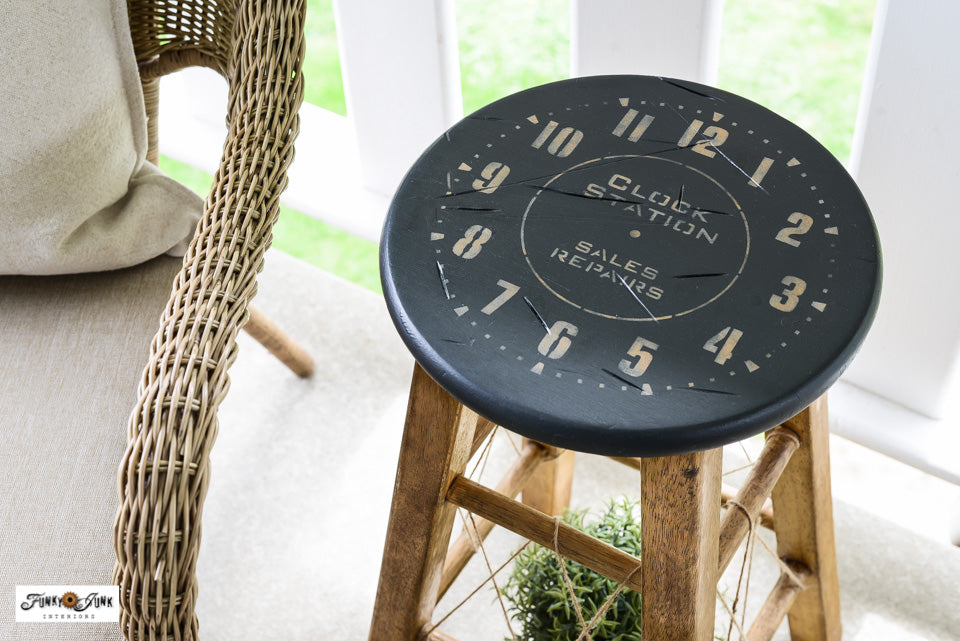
72,347
258,46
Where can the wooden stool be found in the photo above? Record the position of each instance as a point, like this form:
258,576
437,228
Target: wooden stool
641,268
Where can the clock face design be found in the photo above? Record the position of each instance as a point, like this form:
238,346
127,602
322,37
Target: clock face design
630,265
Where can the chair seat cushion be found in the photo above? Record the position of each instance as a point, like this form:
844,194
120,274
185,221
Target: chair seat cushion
73,349
76,193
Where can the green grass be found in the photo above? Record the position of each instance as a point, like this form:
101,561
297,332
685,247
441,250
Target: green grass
802,58
321,63
805,60
508,46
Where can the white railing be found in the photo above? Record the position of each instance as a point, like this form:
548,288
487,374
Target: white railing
401,78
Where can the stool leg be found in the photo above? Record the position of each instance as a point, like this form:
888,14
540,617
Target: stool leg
803,521
278,343
680,529
548,489
436,445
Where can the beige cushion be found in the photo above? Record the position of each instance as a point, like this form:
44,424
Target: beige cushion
75,191
72,350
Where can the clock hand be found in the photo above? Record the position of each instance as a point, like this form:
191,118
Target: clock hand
749,177
591,198
663,151
532,179
443,280
706,390
701,210
710,142
711,275
622,379
534,310
636,298
691,90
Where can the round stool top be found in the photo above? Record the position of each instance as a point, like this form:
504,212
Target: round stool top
630,265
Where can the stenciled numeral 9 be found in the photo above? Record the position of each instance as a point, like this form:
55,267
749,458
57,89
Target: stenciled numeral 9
787,301
472,242
643,357
493,176
557,341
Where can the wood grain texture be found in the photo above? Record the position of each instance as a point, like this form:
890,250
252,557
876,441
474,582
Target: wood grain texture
728,493
463,548
804,526
778,603
436,446
278,343
485,427
540,528
779,447
548,490
680,516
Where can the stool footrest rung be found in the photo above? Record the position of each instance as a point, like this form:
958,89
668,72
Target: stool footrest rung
510,485
745,507
779,601
540,528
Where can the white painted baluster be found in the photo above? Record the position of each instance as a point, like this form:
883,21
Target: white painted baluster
678,39
907,165
402,80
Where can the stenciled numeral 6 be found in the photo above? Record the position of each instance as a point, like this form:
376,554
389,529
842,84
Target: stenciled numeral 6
556,341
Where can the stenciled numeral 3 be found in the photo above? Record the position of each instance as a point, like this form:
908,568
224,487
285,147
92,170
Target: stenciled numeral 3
787,301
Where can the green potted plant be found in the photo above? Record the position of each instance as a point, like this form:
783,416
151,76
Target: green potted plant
538,597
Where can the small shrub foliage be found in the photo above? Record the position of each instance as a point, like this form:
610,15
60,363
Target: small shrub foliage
539,600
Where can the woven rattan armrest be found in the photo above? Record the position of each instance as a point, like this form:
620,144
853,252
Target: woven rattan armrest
163,477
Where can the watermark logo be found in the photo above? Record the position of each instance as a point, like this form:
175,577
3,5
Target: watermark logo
68,603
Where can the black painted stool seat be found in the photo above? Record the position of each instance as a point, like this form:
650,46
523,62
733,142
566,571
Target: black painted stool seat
630,265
